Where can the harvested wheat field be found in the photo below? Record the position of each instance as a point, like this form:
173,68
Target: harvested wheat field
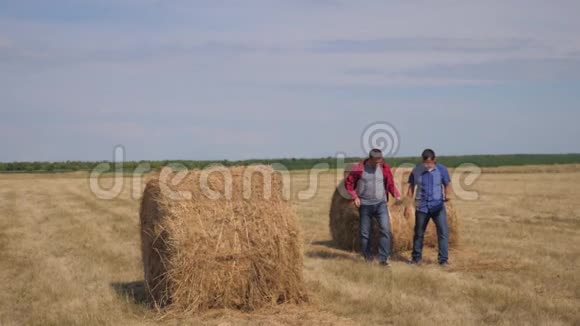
69,258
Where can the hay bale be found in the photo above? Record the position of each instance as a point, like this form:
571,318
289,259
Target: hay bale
240,252
348,167
344,224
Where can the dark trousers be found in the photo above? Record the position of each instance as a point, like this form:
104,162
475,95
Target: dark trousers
421,221
380,211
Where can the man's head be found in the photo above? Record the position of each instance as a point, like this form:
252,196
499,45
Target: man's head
375,157
429,158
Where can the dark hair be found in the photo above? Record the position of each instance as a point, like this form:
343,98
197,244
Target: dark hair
428,154
375,152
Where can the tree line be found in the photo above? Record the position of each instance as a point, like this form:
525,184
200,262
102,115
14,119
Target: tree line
294,163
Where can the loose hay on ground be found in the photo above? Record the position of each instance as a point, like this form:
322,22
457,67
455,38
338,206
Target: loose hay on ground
242,252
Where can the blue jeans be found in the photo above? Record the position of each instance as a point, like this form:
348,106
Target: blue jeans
421,221
366,212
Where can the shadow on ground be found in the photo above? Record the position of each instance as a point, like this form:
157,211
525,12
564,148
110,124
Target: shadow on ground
327,243
323,254
134,291
329,250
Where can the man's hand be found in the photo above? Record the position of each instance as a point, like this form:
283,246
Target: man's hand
447,193
357,202
398,201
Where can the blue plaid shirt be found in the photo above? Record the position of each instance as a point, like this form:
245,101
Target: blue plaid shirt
429,196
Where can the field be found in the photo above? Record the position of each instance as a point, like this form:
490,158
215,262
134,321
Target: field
68,258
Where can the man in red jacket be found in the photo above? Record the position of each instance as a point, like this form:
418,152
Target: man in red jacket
369,184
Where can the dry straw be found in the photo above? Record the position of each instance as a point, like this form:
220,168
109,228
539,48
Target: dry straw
344,224
240,252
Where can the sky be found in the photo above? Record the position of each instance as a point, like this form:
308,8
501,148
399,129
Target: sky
270,79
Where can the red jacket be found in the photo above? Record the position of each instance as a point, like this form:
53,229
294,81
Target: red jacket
357,172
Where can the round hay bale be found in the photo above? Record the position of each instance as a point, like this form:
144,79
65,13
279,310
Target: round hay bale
348,167
344,224
242,250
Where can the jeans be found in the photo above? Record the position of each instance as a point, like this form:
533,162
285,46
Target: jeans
421,221
366,212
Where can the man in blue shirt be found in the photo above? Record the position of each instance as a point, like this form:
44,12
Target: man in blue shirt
433,188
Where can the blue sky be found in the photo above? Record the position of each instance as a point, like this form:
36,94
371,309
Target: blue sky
265,79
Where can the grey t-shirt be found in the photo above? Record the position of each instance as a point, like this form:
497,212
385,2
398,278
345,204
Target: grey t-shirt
370,187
